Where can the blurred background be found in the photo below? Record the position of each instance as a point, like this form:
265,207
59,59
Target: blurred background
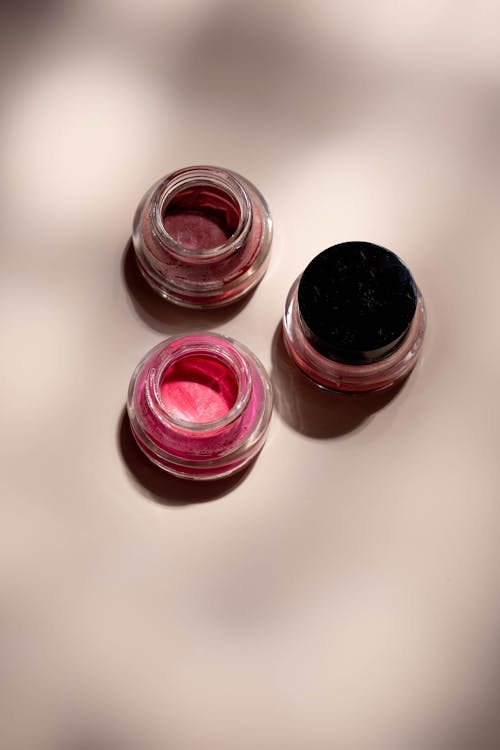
344,593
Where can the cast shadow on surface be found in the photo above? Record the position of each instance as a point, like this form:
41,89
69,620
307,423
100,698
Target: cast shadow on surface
98,735
164,316
317,412
29,15
160,486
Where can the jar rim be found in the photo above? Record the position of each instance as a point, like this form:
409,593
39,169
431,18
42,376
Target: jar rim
203,176
201,344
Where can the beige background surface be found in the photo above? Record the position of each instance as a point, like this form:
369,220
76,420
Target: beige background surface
344,594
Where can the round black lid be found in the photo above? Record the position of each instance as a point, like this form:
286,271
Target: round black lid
356,301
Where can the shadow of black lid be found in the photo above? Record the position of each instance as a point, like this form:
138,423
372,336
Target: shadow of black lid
315,411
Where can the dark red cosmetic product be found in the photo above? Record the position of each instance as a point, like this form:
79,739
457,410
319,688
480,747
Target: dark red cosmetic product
355,319
202,236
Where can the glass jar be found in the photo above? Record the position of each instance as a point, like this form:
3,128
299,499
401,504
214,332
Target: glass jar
355,319
199,405
202,236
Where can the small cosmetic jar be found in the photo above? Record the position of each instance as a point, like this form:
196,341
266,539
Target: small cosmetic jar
355,319
202,236
199,405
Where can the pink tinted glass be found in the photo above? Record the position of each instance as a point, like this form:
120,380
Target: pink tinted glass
202,236
199,405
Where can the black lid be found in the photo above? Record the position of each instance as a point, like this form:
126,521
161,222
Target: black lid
357,301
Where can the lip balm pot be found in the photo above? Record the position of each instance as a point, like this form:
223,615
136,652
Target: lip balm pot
199,406
355,319
202,236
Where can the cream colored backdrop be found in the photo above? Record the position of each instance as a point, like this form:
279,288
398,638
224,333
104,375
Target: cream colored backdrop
345,594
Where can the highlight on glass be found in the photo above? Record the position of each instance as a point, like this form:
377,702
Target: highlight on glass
200,405
202,236
355,318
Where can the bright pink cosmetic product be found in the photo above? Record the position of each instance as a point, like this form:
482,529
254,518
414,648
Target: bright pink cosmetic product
199,405
202,236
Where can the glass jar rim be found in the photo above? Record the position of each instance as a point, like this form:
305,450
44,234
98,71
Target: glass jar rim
201,344
203,176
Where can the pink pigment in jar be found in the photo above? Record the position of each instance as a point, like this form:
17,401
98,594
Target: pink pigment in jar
199,405
202,236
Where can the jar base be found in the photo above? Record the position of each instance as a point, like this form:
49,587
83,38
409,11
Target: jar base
219,300
346,390
197,475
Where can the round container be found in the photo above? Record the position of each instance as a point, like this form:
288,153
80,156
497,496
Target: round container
202,236
199,405
355,319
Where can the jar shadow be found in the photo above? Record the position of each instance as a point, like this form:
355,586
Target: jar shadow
314,411
164,488
164,316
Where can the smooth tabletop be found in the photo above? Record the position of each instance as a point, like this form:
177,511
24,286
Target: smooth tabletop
343,593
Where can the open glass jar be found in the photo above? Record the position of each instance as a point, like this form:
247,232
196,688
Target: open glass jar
202,236
199,405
